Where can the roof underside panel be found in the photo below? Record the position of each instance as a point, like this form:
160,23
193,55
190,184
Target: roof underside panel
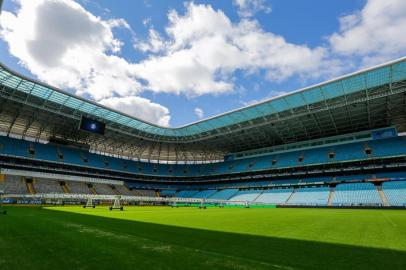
369,99
355,83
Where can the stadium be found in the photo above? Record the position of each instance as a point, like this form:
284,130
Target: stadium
312,179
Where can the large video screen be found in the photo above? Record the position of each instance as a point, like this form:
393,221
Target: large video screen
92,125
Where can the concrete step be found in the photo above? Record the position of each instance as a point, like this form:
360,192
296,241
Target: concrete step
382,195
290,196
331,196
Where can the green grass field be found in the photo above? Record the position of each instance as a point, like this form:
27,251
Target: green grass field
189,238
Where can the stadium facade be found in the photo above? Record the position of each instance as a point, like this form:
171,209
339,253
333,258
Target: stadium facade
340,142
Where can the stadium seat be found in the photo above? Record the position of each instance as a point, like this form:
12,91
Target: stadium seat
275,196
395,192
310,196
356,194
343,152
246,195
204,194
224,194
186,193
47,186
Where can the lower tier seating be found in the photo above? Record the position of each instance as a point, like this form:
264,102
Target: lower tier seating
204,194
78,187
103,189
356,194
13,185
123,190
395,192
224,194
42,185
275,196
186,193
310,196
344,194
246,195
144,192
168,192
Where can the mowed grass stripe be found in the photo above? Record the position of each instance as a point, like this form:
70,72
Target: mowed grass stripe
71,242
369,228
165,238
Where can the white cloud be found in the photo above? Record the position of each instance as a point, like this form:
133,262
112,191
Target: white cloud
65,45
199,113
199,54
141,108
248,8
155,43
146,21
203,49
376,33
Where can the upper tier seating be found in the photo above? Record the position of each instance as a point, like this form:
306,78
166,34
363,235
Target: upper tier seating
395,192
42,185
275,196
356,194
394,175
343,152
310,196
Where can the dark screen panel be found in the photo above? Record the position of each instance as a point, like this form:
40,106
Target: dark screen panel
91,125
384,133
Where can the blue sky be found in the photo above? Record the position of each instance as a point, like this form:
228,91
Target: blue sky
174,62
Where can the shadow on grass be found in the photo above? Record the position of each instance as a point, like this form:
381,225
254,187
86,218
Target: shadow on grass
274,252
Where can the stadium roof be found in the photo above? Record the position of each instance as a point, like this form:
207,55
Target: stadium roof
367,99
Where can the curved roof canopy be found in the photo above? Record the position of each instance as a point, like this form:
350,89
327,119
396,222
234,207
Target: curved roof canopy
263,124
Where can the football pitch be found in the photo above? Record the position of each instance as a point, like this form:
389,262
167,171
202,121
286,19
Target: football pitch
190,238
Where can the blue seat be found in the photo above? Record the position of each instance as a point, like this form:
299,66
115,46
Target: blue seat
356,194
395,192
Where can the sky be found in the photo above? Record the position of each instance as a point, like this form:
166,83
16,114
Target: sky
172,63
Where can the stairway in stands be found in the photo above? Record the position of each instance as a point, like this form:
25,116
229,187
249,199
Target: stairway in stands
331,196
116,192
2,180
382,195
290,196
30,186
92,189
64,187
